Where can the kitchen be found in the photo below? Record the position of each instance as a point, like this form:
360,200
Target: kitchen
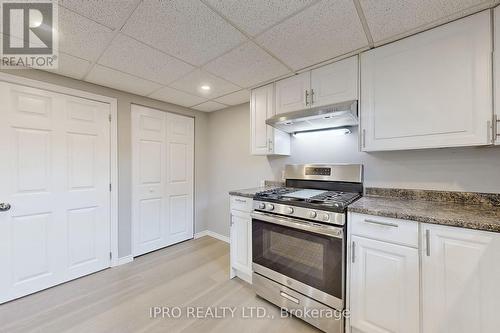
385,135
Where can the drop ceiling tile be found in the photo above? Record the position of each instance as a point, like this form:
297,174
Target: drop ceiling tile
254,17
235,98
133,57
178,97
247,65
109,12
321,32
71,66
192,83
186,29
80,36
209,106
114,79
389,18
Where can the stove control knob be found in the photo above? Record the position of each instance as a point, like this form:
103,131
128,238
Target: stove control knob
262,205
289,210
325,217
270,207
313,214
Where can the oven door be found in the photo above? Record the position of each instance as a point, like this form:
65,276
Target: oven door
305,256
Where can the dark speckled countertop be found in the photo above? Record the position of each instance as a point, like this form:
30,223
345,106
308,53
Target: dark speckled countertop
250,192
436,207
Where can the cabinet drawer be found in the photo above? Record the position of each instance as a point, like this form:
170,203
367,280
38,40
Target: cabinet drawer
241,203
385,229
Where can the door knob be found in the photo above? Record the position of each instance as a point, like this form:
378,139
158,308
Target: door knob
4,207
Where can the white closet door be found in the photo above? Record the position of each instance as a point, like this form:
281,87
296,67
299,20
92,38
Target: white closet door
162,155
55,169
180,174
149,179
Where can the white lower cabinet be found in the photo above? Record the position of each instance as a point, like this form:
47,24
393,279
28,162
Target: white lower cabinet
460,280
448,282
384,283
241,238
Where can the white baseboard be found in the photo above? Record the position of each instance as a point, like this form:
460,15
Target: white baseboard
211,234
201,234
124,260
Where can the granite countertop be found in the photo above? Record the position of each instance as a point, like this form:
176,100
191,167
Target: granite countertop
483,216
250,192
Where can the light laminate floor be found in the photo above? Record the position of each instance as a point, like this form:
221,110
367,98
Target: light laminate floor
192,276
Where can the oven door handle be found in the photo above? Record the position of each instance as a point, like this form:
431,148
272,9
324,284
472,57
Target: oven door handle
316,228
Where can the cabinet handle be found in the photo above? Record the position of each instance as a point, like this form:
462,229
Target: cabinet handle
269,145
312,96
363,138
495,128
240,200
353,252
385,224
428,242
290,298
307,98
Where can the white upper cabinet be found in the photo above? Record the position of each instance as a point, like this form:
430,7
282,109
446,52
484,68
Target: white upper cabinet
496,75
334,83
293,94
330,84
429,90
460,280
265,140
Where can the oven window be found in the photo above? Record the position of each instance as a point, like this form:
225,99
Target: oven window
310,258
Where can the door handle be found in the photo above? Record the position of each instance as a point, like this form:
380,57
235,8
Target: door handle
4,207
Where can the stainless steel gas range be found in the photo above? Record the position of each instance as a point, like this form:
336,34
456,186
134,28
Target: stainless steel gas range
299,241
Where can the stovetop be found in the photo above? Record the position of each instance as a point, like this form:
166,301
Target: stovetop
335,201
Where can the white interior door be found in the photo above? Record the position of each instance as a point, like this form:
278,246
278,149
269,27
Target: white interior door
180,177
163,164
55,170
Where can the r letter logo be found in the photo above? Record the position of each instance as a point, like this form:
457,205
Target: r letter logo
29,35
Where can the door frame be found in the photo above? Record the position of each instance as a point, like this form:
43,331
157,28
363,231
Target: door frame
132,220
113,158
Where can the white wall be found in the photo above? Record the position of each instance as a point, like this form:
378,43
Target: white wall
232,167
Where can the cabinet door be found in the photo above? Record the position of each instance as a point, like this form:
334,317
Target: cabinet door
292,94
384,287
496,76
261,108
241,256
429,90
334,83
461,274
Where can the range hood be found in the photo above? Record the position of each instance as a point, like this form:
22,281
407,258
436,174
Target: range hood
343,114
